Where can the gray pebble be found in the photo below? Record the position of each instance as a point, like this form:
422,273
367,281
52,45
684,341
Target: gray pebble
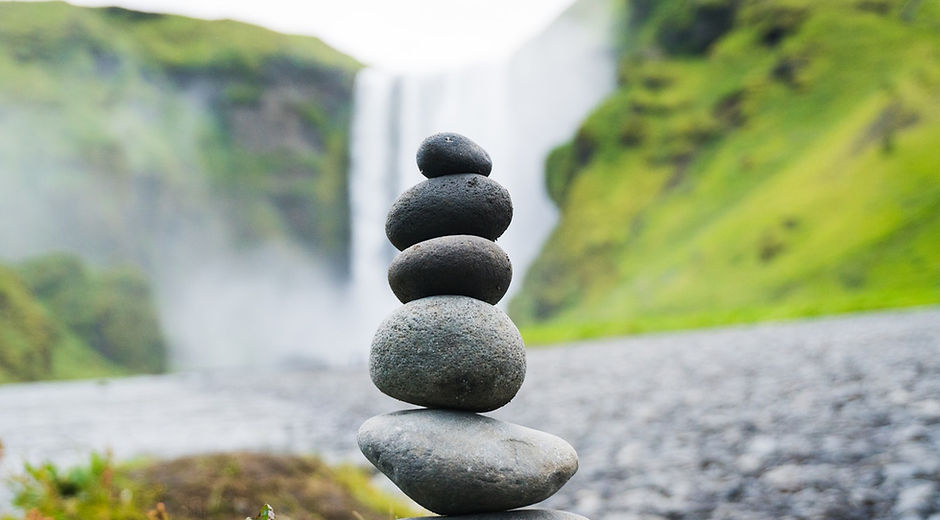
518,514
455,264
448,352
448,153
467,204
456,463
918,498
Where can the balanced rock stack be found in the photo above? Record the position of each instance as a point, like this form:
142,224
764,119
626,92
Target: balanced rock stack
450,350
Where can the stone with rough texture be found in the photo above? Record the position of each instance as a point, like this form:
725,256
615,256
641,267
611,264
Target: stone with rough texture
456,463
467,204
448,352
517,514
455,264
449,153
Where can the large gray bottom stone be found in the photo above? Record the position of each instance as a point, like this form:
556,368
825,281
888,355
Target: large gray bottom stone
467,204
448,153
456,264
448,352
457,463
517,514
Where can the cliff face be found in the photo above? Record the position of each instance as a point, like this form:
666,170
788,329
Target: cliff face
136,137
760,160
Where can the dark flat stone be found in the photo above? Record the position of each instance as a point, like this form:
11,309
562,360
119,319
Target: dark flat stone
515,514
457,463
448,352
448,153
467,204
455,264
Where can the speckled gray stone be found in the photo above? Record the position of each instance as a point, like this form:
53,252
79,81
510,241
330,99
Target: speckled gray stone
448,352
456,463
517,514
467,204
448,153
454,264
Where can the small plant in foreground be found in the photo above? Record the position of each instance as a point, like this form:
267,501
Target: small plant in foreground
267,513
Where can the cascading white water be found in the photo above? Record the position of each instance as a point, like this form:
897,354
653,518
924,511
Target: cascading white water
517,109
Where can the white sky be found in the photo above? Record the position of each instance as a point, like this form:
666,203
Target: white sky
392,34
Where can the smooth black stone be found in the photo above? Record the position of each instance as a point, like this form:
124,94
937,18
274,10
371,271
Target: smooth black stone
448,153
515,514
458,463
448,352
466,204
455,264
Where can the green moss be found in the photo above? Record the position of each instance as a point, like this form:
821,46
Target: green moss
113,312
207,487
28,335
788,170
357,481
58,320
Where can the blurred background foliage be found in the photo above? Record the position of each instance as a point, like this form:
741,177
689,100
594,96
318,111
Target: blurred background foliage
761,159
60,319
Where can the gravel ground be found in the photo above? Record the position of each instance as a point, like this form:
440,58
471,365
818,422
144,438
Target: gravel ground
836,418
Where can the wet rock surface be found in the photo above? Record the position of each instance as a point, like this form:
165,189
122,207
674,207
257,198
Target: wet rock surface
726,423
456,463
449,352
467,204
455,264
448,153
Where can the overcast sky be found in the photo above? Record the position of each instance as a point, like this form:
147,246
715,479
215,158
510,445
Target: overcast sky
393,34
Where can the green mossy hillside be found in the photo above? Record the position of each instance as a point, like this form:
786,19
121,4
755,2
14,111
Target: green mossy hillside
762,159
59,320
181,123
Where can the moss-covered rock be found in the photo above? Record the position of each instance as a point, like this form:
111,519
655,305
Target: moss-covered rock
222,486
60,319
112,312
28,335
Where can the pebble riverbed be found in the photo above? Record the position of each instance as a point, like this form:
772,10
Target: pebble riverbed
835,418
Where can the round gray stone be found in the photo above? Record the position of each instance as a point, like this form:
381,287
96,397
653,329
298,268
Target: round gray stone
448,153
455,264
518,514
448,352
458,463
466,204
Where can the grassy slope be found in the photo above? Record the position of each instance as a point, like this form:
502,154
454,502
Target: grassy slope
168,103
789,170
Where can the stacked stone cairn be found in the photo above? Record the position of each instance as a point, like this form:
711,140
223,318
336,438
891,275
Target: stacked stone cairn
450,350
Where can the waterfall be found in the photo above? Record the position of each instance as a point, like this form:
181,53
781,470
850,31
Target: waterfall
517,109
